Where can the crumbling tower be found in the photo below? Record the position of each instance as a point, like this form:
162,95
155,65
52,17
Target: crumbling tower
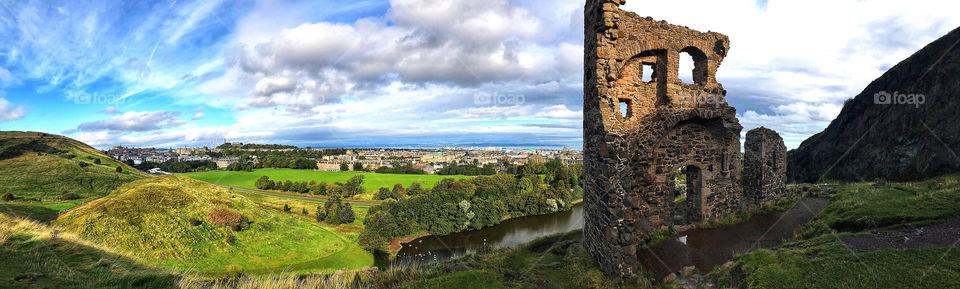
639,133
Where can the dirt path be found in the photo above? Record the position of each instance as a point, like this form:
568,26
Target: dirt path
946,234
292,195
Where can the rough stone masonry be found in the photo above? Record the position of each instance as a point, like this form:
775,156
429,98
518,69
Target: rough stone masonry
643,125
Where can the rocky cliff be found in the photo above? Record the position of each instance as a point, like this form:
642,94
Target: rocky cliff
905,125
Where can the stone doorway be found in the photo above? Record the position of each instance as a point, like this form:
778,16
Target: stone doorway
688,195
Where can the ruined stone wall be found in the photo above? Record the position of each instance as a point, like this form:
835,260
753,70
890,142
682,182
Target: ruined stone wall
764,168
630,160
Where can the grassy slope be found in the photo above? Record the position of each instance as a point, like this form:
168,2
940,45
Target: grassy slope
149,219
39,178
818,259
372,181
27,249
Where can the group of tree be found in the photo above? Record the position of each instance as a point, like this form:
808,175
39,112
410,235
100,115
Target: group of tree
401,168
176,167
398,192
335,212
457,205
353,187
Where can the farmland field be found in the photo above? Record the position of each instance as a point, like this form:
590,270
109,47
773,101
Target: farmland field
372,181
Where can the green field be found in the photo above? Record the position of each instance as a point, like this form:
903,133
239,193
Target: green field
372,181
149,220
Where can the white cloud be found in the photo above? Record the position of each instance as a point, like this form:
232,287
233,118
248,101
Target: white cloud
10,111
7,78
109,110
559,111
133,121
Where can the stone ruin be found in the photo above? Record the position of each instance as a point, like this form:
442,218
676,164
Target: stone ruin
643,126
764,168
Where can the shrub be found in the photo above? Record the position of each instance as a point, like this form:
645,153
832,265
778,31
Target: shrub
304,211
221,202
286,208
234,220
119,169
84,164
194,222
96,161
7,197
69,196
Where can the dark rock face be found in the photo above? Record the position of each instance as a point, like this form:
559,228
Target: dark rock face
903,126
764,168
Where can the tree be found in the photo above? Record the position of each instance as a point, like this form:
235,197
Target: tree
346,214
321,214
263,183
398,191
344,167
353,187
383,194
358,166
415,189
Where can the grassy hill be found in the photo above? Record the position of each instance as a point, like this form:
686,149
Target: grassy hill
37,256
39,169
372,181
151,220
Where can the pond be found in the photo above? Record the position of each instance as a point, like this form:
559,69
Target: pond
509,233
702,248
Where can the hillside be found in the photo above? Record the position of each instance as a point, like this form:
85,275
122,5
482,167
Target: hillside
38,169
905,141
180,223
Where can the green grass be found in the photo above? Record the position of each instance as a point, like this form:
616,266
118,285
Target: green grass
39,168
148,219
816,258
372,181
28,249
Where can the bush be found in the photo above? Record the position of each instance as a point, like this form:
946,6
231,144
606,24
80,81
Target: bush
84,164
119,169
7,197
69,196
194,222
286,208
304,211
234,220
96,161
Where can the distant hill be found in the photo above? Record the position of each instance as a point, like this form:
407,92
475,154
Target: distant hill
897,141
39,169
184,224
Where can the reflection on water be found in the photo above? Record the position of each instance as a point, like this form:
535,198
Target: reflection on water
509,233
703,248
708,248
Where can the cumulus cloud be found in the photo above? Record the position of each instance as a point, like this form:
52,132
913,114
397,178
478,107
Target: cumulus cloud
10,111
457,43
133,121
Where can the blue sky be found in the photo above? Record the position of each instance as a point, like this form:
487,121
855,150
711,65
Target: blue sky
409,72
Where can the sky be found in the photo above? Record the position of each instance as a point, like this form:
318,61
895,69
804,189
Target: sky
411,72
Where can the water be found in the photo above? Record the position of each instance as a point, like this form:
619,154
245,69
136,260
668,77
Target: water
509,233
702,248
708,248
